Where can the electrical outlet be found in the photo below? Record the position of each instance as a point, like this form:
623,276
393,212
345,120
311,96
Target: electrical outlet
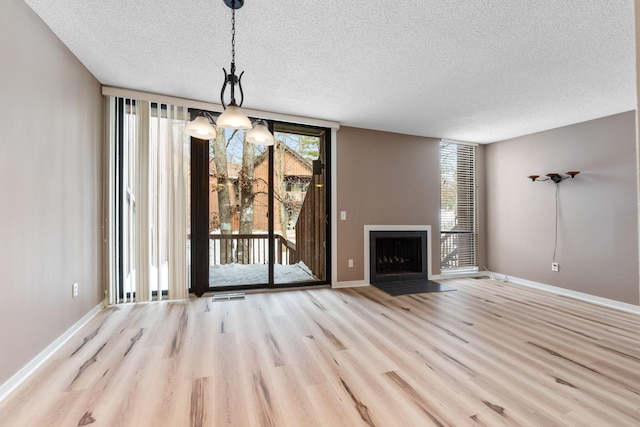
555,266
350,263
74,290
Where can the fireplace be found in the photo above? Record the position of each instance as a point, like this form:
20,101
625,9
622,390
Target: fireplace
398,255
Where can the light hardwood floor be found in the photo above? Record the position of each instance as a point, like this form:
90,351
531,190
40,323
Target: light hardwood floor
487,354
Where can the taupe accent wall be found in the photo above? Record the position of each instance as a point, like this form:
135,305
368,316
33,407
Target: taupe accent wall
51,128
384,178
598,222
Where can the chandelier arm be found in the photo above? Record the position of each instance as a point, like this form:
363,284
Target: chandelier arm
240,87
224,87
210,117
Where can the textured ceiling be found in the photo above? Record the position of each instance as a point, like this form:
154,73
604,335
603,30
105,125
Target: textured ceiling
470,70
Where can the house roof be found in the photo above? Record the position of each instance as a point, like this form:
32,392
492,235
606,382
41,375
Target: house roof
304,163
473,70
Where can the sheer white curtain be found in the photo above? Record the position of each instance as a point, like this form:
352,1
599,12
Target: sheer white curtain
155,166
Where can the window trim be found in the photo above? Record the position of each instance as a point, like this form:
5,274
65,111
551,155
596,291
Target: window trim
449,259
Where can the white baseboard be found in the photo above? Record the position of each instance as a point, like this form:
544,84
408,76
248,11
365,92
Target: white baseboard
19,377
458,275
606,302
350,284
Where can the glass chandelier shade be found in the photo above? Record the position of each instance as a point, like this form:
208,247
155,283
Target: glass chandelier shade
260,134
233,118
200,128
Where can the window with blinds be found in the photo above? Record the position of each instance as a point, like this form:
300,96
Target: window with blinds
458,217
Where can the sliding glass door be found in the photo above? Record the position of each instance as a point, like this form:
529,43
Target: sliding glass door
263,210
238,226
300,204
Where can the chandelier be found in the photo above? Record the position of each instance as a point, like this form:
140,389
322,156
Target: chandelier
232,117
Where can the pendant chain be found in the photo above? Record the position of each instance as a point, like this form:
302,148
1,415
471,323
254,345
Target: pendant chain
233,32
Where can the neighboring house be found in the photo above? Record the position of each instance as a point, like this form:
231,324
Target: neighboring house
292,177
292,174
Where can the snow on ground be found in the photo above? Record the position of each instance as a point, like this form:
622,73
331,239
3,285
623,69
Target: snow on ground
253,274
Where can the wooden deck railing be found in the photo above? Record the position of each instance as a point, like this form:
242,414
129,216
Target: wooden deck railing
450,244
249,249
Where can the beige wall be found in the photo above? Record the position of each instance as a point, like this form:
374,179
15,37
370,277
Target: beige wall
51,127
384,178
598,227
637,139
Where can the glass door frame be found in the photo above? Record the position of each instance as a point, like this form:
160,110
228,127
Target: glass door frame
199,211
326,134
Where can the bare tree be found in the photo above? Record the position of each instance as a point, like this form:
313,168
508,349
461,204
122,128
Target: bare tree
279,184
247,197
225,213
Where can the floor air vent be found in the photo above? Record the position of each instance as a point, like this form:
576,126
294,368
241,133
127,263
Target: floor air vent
228,296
